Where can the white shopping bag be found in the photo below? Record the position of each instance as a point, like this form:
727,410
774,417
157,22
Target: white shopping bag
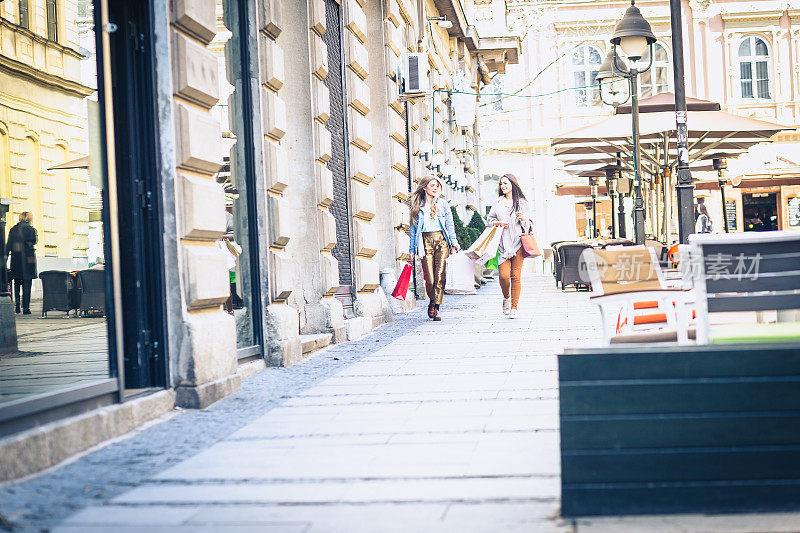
460,274
485,247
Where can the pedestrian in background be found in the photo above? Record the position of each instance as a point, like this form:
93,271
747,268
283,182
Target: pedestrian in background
703,223
433,237
511,212
20,244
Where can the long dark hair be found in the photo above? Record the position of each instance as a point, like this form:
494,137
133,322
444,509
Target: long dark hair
516,190
703,210
419,197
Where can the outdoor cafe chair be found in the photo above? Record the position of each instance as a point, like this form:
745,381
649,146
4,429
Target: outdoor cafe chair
557,260
57,291
92,291
636,305
569,257
746,273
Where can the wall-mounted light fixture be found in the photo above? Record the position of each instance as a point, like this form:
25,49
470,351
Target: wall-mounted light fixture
425,149
442,22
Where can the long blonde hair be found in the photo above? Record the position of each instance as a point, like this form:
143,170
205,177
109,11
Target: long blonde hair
420,196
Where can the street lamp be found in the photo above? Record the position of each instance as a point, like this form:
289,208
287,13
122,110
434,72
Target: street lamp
634,36
425,149
720,164
611,186
437,161
593,192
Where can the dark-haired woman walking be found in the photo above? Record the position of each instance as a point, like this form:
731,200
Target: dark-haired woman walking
433,237
511,212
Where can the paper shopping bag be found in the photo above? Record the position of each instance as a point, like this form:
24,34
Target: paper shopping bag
459,274
485,247
401,288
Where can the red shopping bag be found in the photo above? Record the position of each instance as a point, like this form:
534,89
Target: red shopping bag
401,288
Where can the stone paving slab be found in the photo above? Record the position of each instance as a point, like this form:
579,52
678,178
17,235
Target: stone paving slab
436,427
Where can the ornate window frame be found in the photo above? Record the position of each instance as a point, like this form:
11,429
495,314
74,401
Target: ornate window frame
754,93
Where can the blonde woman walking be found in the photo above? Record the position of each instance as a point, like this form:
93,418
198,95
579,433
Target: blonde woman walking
511,212
433,237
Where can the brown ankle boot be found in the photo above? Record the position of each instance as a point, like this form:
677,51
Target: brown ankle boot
436,316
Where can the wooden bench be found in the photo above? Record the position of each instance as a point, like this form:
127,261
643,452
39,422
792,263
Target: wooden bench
746,272
688,429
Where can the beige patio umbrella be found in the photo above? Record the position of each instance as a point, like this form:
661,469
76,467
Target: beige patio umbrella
712,131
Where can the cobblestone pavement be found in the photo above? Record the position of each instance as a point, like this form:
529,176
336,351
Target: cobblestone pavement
421,426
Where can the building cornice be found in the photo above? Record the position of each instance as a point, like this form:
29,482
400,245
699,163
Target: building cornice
34,75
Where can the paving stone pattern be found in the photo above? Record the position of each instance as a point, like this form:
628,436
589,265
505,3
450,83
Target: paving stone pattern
421,426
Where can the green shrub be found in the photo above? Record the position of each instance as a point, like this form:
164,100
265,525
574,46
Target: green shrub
473,235
462,234
477,223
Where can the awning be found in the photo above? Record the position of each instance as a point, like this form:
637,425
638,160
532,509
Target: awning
81,162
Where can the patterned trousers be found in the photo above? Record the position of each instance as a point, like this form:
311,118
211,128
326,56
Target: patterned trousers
433,264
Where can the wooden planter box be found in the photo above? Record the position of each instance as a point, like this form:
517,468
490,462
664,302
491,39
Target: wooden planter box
697,430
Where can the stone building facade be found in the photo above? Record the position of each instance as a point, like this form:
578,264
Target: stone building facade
252,159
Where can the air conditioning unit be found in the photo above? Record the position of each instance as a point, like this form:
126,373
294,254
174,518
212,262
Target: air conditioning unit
414,74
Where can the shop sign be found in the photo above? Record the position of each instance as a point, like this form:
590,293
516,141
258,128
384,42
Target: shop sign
730,211
794,211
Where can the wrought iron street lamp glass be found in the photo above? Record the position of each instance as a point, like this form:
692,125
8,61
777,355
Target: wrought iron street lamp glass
633,34
612,81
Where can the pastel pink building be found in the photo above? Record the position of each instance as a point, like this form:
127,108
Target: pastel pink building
745,55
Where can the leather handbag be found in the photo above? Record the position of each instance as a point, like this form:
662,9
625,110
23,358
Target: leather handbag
529,246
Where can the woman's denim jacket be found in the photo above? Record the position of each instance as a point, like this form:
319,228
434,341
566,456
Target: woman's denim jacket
445,217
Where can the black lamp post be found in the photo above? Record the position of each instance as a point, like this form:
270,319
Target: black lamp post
593,192
720,164
634,36
611,187
684,187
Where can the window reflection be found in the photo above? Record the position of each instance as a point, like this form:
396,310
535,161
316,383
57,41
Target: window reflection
235,243
51,189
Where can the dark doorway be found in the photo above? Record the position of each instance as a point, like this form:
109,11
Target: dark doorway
338,165
760,211
140,220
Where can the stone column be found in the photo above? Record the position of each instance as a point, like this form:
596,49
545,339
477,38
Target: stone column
204,367
387,38
366,276
323,312
283,328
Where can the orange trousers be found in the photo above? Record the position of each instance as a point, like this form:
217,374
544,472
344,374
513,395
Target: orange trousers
510,277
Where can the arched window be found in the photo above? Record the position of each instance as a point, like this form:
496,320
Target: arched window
754,68
586,60
656,80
